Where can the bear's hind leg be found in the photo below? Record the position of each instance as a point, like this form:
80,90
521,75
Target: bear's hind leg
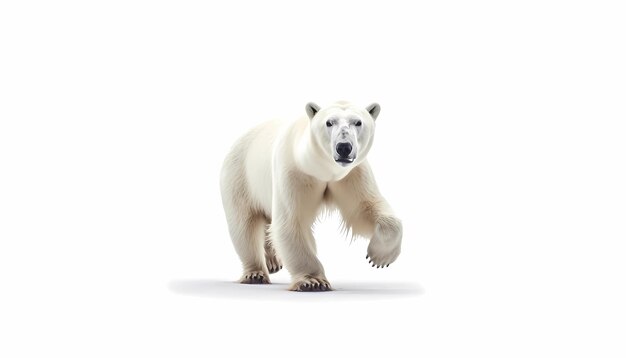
271,258
248,235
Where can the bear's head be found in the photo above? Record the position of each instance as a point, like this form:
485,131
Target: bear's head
344,132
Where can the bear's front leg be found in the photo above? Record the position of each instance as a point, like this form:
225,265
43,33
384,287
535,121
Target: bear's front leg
384,247
294,208
367,213
296,247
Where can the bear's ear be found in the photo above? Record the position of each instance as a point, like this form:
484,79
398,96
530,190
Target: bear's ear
312,109
373,109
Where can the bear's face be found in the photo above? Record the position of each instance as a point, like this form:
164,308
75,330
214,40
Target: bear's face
344,132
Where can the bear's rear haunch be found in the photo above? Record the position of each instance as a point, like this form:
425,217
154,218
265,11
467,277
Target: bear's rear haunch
279,176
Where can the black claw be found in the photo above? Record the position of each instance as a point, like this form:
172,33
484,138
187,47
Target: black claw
370,261
367,257
387,265
373,265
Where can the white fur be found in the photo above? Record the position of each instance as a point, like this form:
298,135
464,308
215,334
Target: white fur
280,176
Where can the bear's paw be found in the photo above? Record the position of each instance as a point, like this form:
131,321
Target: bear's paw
254,277
311,284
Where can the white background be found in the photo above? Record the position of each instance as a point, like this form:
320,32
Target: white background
501,145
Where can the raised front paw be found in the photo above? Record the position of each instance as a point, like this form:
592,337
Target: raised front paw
381,256
311,284
384,247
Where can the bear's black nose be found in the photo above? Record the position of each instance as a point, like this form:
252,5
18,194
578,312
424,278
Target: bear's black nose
344,149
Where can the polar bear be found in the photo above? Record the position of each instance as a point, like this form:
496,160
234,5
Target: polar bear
279,176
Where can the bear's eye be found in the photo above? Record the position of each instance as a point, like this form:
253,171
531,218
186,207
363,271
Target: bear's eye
358,123
329,123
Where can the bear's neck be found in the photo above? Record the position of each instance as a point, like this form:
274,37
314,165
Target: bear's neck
312,160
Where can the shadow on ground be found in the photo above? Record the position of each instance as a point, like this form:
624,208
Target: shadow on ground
278,291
